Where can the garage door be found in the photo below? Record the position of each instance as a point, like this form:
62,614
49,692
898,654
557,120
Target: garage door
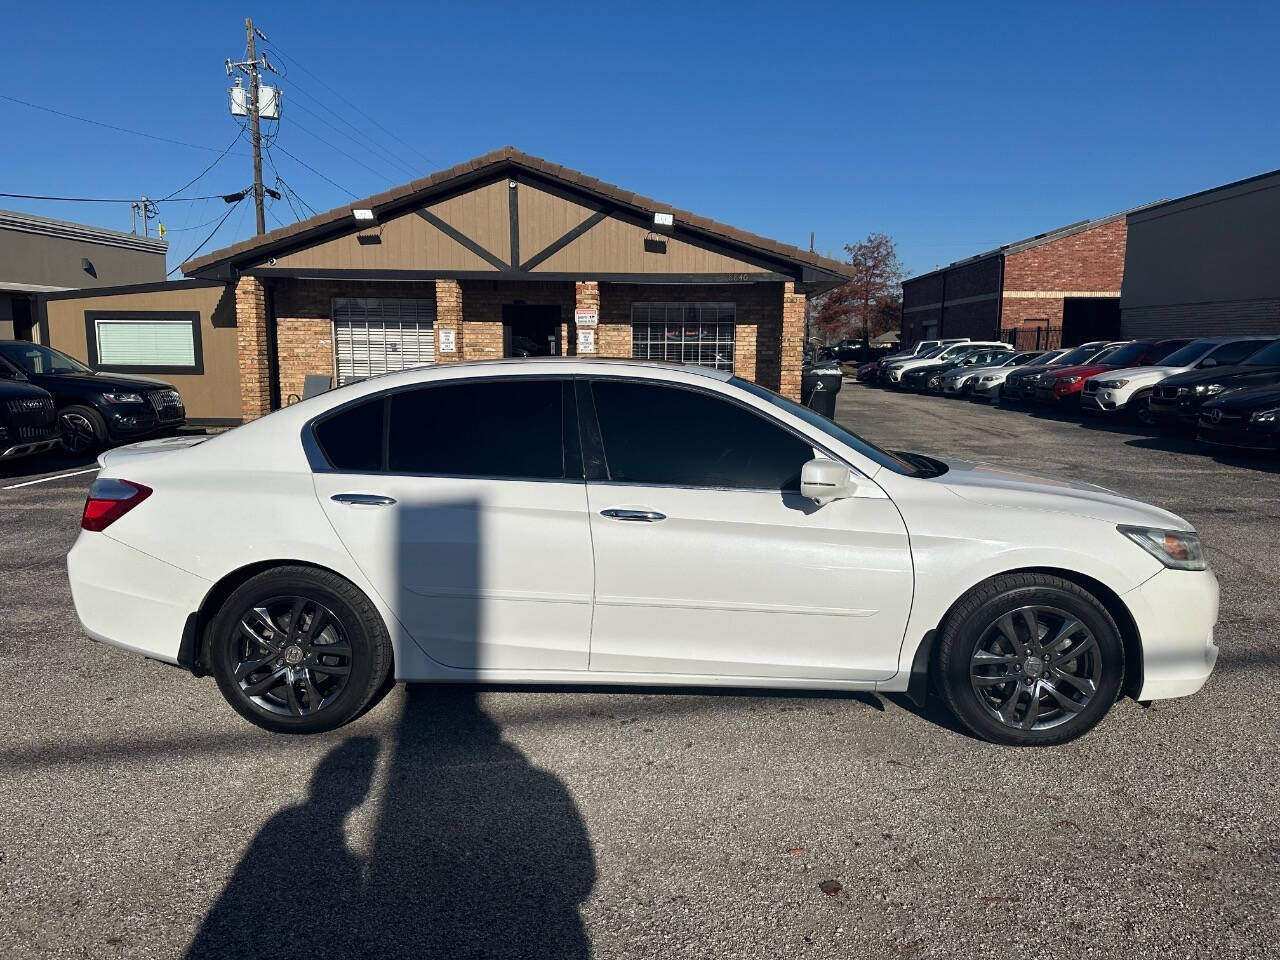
372,335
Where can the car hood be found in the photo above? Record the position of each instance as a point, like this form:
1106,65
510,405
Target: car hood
1215,374
998,486
1147,374
1261,397
20,390
105,381
1033,371
1080,370
147,448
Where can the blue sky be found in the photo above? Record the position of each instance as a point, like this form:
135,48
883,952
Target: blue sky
951,127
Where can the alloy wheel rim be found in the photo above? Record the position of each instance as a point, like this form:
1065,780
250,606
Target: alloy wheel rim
292,656
75,432
1035,668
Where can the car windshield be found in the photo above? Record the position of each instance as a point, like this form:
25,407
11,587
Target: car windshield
1078,355
34,358
1268,356
932,352
832,429
1018,359
1126,355
9,372
1188,355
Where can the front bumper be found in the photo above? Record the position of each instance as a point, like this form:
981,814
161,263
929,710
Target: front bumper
1239,433
1184,411
130,599
1175,612
1103,401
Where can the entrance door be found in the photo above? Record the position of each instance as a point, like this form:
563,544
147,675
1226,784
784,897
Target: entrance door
708,560
531,330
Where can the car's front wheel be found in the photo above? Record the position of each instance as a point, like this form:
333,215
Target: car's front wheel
299,650
1030,660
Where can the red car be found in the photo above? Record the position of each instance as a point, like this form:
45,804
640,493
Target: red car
1063,387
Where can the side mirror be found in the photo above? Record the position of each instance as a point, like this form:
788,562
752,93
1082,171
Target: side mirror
823,480
1208,362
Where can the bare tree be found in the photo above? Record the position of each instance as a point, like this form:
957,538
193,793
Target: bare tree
866,305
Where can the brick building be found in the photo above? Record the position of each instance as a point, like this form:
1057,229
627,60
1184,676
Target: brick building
1061,287
506,255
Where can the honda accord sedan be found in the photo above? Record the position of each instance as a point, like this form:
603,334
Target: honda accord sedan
573,521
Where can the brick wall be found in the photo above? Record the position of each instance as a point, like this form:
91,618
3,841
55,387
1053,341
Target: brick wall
449,317
587,297
758,332
251,334
304,323
792,341
1089,261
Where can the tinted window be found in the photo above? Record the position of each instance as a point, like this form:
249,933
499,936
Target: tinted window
1130,353
1268,356
497,428
660,434
1237,351
352,438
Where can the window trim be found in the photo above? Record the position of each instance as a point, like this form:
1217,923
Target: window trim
192,317
597,436
319,462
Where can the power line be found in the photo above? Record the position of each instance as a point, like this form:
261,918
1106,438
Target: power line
108,126
39,196
316,172
216,161
363,144
206,239
311,133
360,137
276,49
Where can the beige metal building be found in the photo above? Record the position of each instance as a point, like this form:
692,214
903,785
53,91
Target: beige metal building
39,255
505,255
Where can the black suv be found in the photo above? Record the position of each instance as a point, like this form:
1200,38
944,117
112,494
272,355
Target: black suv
27,420
1178,399
96,409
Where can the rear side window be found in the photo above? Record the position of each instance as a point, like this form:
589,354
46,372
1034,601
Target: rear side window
666,435
510,429
352,438
1237,351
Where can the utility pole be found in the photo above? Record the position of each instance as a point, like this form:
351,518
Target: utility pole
255,130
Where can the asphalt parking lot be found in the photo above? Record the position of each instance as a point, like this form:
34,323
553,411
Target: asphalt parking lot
142,818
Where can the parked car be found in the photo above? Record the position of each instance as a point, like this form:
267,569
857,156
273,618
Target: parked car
1062,387
961,381
28,423
894,372
1177,400
97,409
1247,418
1020,385
987,383
961,366
927,377
545,532
1129,392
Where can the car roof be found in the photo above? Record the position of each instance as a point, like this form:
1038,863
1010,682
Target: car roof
610,364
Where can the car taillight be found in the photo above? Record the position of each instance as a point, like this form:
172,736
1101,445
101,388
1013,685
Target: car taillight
109,500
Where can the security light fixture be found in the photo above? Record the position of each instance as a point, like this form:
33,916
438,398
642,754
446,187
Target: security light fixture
364,216
663,220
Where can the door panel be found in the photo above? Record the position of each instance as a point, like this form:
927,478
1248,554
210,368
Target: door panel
484,574
748,583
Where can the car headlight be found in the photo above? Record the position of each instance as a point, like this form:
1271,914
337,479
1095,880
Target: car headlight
1113,384
1209,389
1178,549
1066,381
988,379
122,397
1265,416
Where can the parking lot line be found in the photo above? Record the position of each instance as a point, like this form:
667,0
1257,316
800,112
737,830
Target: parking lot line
57,476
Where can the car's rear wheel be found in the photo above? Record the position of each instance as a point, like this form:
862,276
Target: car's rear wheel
299,650
1030,660
81,429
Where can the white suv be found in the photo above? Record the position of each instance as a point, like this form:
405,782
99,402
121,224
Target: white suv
894,371
1129,391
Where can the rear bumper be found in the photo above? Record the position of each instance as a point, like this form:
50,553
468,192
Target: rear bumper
130,599
1175,612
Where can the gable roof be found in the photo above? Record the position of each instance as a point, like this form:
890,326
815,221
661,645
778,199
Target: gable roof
506,161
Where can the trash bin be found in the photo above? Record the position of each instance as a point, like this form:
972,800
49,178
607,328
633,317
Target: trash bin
818,388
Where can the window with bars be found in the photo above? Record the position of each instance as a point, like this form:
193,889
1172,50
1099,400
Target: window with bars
375,335
700,333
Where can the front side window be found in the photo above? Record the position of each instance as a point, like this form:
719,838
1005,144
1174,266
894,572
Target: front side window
654,433
503,429
32,358
697,333
144,340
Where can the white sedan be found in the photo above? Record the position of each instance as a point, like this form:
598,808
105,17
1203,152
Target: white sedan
622,522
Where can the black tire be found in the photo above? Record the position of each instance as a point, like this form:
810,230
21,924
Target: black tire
81,429
1054,603
1139,410
348,632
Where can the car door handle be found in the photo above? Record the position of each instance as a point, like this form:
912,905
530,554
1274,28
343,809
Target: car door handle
635,516
363,499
